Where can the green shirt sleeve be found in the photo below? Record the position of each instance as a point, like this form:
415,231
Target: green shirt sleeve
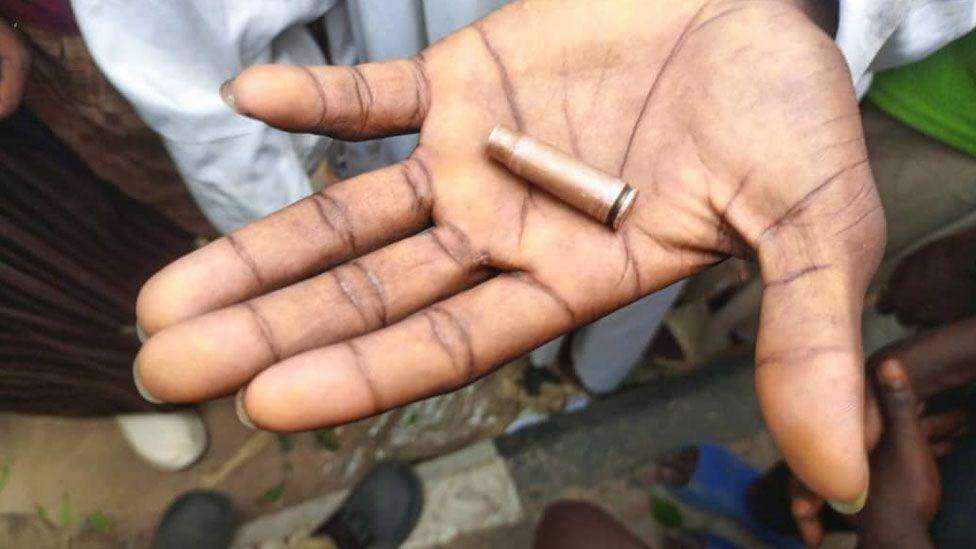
936,96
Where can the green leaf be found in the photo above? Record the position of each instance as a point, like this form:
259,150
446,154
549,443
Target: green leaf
327,439
411,418
285,442
42,512
4,475
100,521
273,495
665,512
65,519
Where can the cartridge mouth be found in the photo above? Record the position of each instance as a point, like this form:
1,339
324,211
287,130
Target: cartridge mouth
621,207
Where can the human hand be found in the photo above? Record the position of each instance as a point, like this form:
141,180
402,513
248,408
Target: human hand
735,119
935,284
935,362
905,489
14,69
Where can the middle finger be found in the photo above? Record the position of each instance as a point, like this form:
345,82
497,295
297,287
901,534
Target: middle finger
215,353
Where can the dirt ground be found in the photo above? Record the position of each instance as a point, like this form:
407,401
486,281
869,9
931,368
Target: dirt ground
81,472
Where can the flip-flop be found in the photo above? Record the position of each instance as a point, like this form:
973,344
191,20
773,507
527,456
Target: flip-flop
719,485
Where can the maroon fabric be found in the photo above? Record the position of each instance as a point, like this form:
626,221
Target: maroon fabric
73,253
50,15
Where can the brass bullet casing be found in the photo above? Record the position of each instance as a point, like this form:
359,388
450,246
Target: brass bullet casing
600,195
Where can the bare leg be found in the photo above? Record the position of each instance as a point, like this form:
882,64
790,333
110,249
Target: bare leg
582,525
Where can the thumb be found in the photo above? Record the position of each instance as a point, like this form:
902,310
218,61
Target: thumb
898,406
809,362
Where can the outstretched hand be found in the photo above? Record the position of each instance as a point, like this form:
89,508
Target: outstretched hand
736,120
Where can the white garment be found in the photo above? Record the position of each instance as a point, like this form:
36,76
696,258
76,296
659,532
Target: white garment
875,35
169,58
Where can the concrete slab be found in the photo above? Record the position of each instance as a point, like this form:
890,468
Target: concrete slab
614,437
465,493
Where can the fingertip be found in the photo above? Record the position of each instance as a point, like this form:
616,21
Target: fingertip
282,96
226,93
892,375
267,404
141,334
851,506
205,357
204,280
816,416
803,507
142,373
315,389
140,386
175,365
239,92
158,304
249,86
240,406
154,372
898,403
837,473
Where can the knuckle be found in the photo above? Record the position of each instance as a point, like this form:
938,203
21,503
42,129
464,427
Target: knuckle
419,179
365,372
453,336
364,95
334,214
458,246
361,289
418,72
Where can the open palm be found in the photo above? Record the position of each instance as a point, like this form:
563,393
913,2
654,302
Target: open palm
735,119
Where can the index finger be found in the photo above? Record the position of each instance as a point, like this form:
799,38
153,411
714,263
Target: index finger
353,103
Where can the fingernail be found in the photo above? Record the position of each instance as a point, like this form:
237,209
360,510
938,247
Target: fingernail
241,412
802,507
227,94
850,507
141,334
140,387
892,375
